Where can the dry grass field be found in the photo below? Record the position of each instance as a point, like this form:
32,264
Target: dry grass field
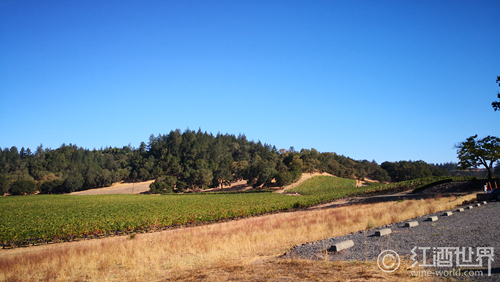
118,188
244,249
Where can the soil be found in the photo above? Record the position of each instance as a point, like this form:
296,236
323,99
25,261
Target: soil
240,185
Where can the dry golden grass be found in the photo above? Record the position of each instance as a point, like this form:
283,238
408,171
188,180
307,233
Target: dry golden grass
119,188
237,250
298,270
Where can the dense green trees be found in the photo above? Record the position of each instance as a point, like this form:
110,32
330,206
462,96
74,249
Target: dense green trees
407,170
181,160
65,169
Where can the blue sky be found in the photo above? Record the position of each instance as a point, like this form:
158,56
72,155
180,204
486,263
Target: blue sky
382,80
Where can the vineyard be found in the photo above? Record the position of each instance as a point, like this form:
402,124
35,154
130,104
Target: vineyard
41,219
320,184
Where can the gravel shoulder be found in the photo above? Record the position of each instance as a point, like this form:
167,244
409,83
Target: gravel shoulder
477,227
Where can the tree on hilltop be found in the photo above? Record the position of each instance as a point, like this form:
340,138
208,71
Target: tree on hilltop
496,105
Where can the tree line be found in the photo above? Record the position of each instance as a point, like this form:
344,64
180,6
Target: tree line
181,160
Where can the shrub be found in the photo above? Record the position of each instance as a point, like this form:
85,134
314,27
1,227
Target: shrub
163,185
51,187
181,186
22,187
283,178
71,184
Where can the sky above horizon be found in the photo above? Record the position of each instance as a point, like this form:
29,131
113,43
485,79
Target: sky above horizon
375,80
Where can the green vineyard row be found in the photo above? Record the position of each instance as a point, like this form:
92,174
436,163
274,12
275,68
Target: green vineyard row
51,218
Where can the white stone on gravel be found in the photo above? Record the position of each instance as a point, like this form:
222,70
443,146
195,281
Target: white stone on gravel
432,218
383,232
411,224
342,246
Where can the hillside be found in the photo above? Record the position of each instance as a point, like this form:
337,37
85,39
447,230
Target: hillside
143,186
185,160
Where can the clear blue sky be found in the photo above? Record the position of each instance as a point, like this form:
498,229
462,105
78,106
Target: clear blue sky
382,80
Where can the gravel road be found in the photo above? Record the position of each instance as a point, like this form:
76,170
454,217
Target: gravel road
476,227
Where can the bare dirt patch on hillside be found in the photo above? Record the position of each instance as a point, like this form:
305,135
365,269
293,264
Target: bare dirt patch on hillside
240,185
119,188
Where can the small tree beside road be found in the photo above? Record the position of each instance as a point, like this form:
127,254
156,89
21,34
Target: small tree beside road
479,152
